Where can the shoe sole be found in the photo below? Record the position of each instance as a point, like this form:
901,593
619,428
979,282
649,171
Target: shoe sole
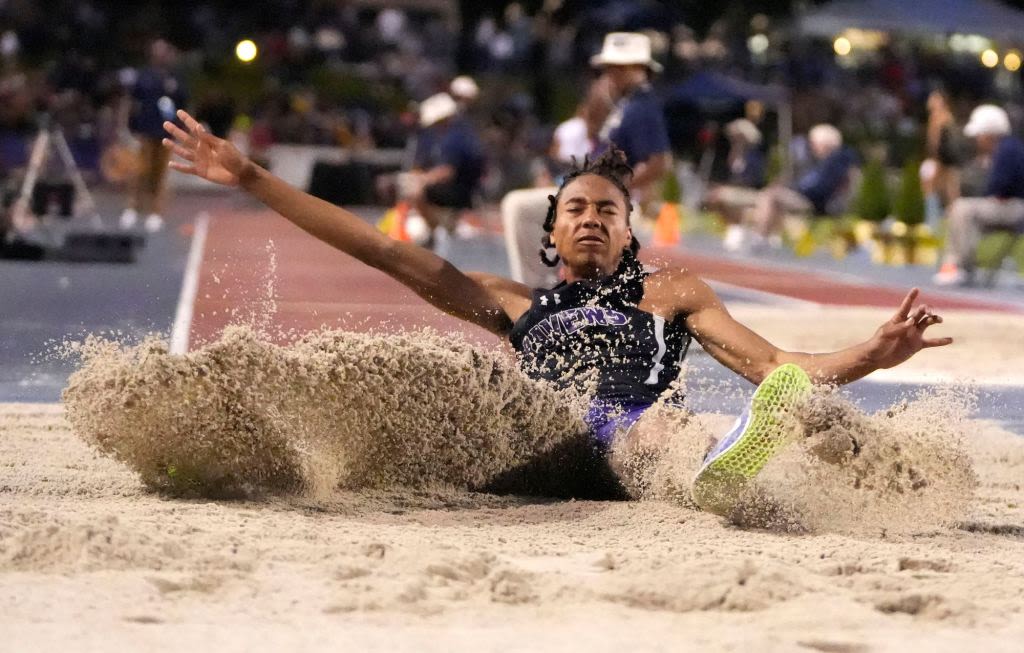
718,484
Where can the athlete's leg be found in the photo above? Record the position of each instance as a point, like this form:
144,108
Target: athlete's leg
637,449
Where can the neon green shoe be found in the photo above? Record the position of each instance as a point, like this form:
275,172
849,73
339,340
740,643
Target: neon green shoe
757,436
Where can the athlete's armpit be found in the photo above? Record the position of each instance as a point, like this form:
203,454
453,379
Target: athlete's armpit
513,297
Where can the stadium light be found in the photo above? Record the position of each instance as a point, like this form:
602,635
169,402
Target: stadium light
990,58
246,51
842,46
1012,61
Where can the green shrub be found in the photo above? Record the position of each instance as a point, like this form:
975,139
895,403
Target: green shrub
909,207
776,164
670,189
873,201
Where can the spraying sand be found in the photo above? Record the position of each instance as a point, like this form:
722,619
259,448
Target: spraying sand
351,461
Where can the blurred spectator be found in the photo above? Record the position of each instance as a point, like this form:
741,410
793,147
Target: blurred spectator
579,136
156,95
746,165
945,150
637,124
344,74
813,192
1003,203
448,163
465,91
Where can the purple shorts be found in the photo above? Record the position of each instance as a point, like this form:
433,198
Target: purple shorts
608,420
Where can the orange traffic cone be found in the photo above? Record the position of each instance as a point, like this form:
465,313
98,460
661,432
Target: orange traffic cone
666,228
397,227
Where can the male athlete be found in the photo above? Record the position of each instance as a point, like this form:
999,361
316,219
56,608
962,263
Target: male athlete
609,321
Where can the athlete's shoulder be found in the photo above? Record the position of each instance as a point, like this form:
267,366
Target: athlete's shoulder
513,296
679,287
499,283
674,277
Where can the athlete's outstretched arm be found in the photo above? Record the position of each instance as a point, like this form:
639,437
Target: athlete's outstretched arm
753,357
477,299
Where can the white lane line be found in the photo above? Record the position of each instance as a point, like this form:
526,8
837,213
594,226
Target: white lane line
760,296
189,286
932,377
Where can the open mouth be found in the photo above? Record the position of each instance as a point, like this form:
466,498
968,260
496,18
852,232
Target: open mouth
590,240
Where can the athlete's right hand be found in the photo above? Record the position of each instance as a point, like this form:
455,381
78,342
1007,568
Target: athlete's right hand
205,155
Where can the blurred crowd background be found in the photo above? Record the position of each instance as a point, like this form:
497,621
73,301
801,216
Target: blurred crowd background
350,73
346,73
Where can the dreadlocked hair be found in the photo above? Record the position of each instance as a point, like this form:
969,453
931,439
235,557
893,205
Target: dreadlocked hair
612,166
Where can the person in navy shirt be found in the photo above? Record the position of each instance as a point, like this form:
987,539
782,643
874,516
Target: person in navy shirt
448,160
156,95
1003,203
636,126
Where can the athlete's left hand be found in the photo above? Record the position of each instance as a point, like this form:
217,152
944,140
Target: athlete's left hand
903,335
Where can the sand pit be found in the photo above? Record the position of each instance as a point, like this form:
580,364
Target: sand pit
90,560
92,557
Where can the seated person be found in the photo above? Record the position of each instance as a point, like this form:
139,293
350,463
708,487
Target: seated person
448,164
1002,204
746,169
813,192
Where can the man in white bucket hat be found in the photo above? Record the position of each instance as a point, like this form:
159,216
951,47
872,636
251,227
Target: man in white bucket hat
1003,203
637,124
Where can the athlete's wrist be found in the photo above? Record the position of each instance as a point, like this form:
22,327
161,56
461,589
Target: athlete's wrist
871,355
249,175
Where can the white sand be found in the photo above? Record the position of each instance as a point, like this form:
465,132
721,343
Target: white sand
89,560
92,560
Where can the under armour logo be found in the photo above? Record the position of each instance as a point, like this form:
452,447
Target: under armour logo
544,300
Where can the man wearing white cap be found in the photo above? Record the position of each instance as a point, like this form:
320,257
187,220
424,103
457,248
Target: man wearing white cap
449,160
814,192
637,124
1003,203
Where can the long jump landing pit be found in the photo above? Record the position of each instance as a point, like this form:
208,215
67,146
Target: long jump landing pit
91,560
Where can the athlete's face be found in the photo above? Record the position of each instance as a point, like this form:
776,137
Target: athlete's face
591,227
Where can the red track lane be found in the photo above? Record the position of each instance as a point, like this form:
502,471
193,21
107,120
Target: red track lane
317,286
314,285
821,288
